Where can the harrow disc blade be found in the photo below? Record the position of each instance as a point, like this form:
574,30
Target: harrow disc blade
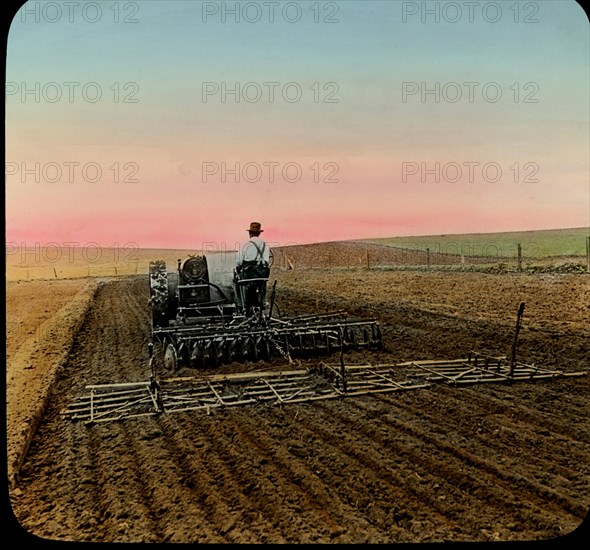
223,352
312,347
249,350
350,339
171,358
222,341
210,354
197,357
263,348
366,339
182,355
328,344
236,351
377,339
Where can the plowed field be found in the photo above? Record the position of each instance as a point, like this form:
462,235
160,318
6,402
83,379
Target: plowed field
489,462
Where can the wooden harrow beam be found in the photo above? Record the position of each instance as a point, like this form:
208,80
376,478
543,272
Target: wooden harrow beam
110,402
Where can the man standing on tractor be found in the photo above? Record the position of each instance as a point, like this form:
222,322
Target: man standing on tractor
252,263
255,249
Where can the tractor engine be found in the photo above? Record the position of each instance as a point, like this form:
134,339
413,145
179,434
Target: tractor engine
200,287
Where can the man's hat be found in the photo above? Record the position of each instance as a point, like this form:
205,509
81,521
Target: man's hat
255,227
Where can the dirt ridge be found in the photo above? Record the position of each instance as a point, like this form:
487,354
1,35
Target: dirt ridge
24,414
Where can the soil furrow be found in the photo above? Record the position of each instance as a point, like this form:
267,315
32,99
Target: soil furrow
505,475
355,454
285,478
477,427
210,482
442,468
369,490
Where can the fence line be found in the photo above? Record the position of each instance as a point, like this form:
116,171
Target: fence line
321,257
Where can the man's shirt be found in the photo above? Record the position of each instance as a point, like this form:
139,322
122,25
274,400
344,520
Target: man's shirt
248,251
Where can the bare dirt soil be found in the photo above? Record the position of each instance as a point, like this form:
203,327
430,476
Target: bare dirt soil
478,463
42,318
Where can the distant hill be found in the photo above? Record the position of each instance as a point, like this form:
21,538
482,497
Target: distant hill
534,244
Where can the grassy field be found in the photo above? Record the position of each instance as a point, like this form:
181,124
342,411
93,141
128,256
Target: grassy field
534,244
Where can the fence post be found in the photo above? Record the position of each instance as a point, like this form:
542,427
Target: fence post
519,249
588,254
517,330
428,259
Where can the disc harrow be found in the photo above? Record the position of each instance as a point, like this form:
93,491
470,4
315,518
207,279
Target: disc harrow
213,342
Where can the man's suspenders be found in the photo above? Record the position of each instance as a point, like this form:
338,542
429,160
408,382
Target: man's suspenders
260,252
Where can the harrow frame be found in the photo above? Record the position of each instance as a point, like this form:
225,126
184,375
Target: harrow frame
112,402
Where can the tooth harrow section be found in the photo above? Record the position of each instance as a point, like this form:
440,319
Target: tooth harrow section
116,401
210,345
110,402
482,368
